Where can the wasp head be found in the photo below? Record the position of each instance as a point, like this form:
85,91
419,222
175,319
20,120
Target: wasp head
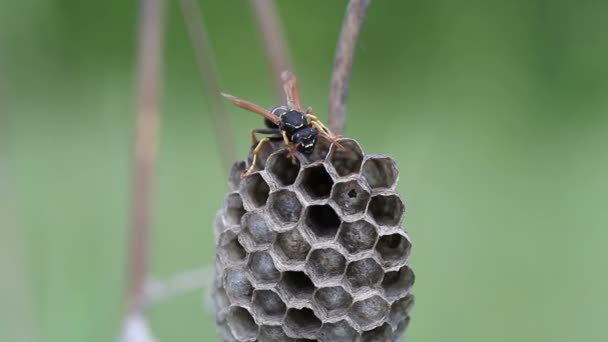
305,139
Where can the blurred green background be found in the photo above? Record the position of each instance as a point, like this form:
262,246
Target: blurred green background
496,112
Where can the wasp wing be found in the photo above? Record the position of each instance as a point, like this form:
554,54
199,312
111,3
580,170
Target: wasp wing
252,107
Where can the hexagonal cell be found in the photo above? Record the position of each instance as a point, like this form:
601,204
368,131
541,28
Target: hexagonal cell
264,153
316,182
351,197
274,333
326,263
396,284
236,171
262,268
268,305
257,229
281,167
369,312
238,288
302,322
364,273
393,248
333,301
402,326
346,161
322,220
386,210
234,209
296,284
241,324
255,190
338,332
292,245
400,310
285,206
357,236
380,172
382,333
230,249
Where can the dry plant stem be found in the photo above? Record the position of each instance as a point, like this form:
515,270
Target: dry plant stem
207,67
271,32
149,75
355,14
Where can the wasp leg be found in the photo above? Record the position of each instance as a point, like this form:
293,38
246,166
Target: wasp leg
331,138
291,147
256,151
254,138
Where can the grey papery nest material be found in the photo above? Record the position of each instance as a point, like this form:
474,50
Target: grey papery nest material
313,251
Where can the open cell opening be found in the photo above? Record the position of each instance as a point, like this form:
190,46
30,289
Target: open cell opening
316,182
323,221
386,210
303,322
380,172
236,171
263,269
393,248
339,331
234,209
257,229
269,305
364,273
350,197
357,236
333,301
347,161
297,284
292,245
400,310
382,333
237,286
397,284
255,190
230,247
241,324
285,206
283,169
369,311
326,263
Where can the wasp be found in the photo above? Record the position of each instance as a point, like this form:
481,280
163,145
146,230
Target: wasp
299,129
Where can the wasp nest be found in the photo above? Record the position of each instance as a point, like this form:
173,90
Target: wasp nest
313,250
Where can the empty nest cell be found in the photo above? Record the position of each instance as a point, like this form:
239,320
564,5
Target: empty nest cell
393,249
292,246
285,206
333,301
364,273
357,236
274,333
238,288
269,306
396,284
255,190
380,172
322,221
230,248
256,229
351,197
236,171
386,210
382,333
302,322
325,263
369,311
346,161
282,168
262,268
400,310
241,324
316,182
340,331
297,284
234,209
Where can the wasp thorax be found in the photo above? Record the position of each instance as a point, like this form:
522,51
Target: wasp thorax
292,121
317,253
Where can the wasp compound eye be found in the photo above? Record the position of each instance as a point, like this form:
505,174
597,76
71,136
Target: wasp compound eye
317,253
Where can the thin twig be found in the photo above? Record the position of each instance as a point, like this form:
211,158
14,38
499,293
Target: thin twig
207,68
158,290
146,145
355,14
271,32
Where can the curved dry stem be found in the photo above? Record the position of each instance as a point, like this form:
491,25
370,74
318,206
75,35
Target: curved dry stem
272,34
207,68
355,14
146,144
